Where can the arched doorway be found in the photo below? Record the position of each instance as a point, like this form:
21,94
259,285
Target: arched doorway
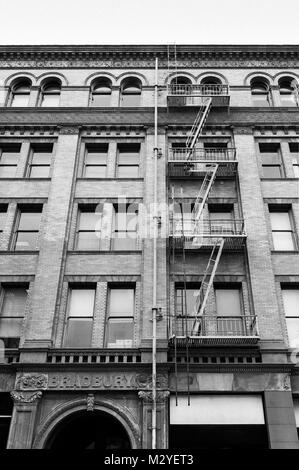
89,430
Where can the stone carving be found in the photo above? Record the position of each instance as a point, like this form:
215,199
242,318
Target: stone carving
287,383
161,396
69,130
32,382
25,398
145,381
90,402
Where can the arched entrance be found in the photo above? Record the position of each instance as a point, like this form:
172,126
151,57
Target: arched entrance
89,430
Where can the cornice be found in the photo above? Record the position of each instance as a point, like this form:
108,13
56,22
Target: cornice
144,55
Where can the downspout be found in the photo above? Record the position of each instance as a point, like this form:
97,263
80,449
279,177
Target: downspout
155,235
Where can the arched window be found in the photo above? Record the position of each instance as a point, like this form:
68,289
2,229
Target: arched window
50,92
211,86
179,85
131,92
260,92
287,90
101,92
20,93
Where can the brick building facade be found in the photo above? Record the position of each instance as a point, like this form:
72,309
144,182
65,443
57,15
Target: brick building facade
77,139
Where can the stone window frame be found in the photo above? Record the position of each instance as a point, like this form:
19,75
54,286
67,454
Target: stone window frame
101,297
18,212
41,142
285,154
283,205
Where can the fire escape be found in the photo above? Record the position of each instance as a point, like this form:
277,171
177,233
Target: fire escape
203,165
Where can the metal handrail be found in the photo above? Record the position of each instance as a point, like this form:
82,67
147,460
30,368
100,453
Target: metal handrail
201,154
198,90
215,325
190,227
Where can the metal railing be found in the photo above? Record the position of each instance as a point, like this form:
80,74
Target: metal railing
215,326
198,90
183,154
214,227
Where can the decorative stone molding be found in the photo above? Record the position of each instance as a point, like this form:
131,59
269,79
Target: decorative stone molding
161,397
145,381
69,130
90,402
20,398
32,382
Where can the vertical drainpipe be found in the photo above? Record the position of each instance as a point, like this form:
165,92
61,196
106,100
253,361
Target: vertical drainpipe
154,308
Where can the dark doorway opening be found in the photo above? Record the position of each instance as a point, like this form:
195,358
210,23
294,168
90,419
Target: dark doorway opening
218,437
89,430
6,407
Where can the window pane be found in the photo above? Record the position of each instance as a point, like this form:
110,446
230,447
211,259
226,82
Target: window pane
39,172
228,302
271,172
41,158
120,333
293,331
268,158
29,221
191,295
8,171
50,100
280,221
95,172
128,172
101,100
88,241
121,302
82,303
20,100
124,244
126,158
260,100
220,215
14,302
296,170
79,333
291,302
283,241
26,241
9,158
287,99
90,221
96,158
2,220
130,100
10,327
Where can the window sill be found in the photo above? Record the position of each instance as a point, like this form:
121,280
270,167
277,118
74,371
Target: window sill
19,252
279,179
288,252
102,252
110,179
24,179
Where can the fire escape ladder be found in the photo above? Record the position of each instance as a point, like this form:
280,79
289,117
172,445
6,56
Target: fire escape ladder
198,124
204,193
206,284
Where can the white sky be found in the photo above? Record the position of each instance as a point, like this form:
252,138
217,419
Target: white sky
149,22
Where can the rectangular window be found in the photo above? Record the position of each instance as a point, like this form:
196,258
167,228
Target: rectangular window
28,223
271,160
88,234
282,233
3,210
9,159
229,311
221,219
120,317
125,226
294,150
189,302
95,162
128,161
290,297
40,161
13,302
80,317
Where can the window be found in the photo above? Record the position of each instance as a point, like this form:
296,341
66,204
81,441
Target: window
294,150
282,233
80,317
290,297
120,317
128,161
130,92
211,85
28,222
95,163
3,210
88,235
270,160
215,149
9,158
229,311
181,85
20,93
287,87
260,92
13,301
6,409
101,92
50,92
125,227
191,296
221,219
40,161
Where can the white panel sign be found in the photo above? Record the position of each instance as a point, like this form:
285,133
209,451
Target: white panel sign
217,409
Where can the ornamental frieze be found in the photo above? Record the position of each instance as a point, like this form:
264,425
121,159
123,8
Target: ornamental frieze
32,382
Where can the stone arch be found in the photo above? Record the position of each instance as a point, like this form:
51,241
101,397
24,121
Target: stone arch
266,76
285,74
18,76
179,73
124,75
218,75
96,75
65,410
52,75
